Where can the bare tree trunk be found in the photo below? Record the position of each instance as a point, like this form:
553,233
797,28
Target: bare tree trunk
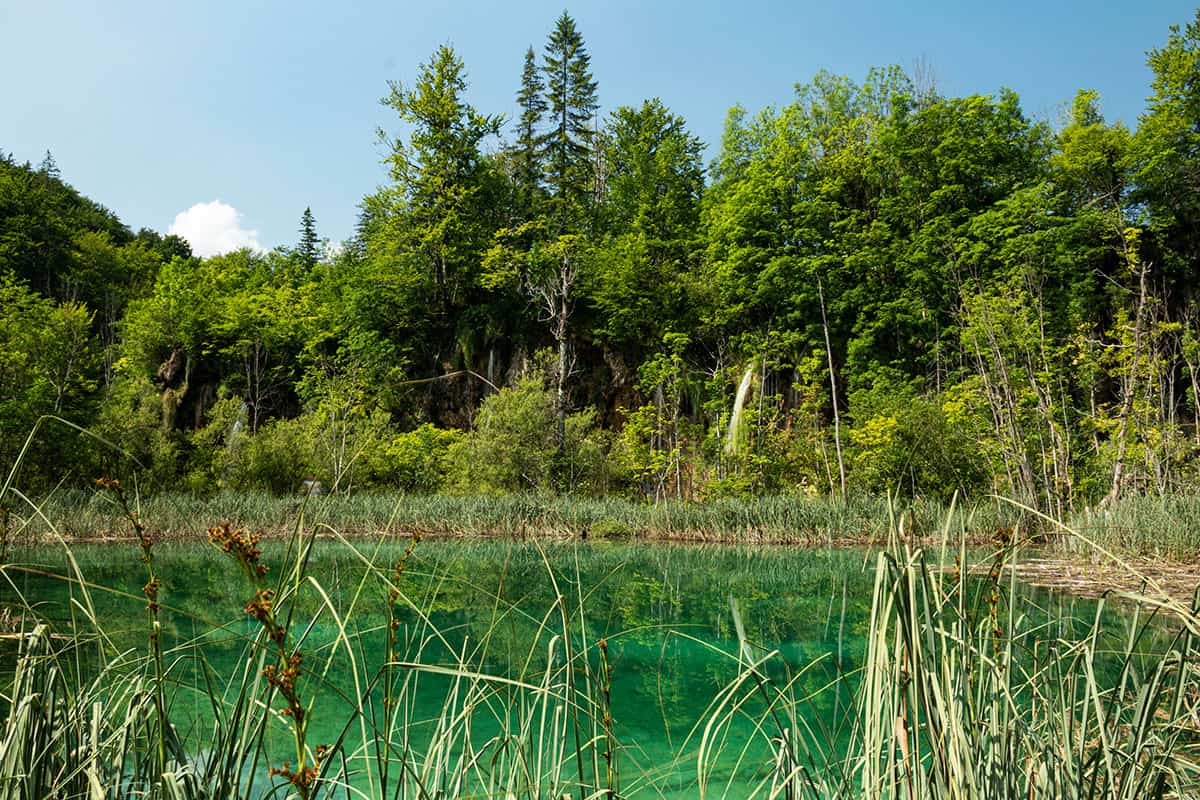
837,420
1004,407
1194,374
560,392
255,361
1060,488
675,449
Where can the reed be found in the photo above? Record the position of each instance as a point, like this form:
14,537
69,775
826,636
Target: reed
763,520
962,694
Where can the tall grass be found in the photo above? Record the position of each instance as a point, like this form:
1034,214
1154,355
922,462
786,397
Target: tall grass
963,693
81,720
779,519
1153,527
1145,525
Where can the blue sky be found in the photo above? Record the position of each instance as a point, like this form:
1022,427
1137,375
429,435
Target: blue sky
154,107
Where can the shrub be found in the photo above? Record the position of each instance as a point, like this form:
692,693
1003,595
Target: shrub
417,461
276,459
609,528
513,449
907,445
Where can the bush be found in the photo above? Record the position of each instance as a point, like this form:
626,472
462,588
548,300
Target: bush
908,446
277,459
609,528
135,418
512,448
418,461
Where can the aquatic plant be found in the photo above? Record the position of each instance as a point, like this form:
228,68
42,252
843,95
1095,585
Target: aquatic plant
964,692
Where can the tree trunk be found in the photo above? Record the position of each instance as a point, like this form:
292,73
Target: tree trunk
1130,385
837,420
560,394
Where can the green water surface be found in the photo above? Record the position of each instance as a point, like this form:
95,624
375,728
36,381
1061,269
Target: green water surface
664,612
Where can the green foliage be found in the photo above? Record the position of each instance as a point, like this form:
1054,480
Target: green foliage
908,446
217,446
437,223
1165,145
609,529
309,247
644,282
527,155
139,420
512,447
936,293
566,148
277,458
40,219
49,364
417,461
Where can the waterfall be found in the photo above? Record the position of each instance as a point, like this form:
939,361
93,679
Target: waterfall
233,442
238,426
735,419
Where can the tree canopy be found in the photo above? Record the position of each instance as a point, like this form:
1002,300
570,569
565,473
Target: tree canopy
873,287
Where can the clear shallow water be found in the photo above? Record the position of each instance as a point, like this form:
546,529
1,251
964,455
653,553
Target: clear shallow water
663,610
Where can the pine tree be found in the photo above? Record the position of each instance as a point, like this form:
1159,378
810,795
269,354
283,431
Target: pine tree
566,148
308,250
49,167
531,98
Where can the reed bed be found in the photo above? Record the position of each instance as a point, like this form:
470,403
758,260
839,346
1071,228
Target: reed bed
964,692
766,520
1144,526
1150,526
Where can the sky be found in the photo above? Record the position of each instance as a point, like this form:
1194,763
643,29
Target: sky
223,121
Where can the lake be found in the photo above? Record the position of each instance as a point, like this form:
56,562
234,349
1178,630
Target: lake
665,615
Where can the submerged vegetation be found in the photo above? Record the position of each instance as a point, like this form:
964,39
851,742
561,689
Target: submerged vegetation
963,687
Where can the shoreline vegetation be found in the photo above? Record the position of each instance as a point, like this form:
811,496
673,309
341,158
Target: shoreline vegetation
963,685
1088,553
1158,527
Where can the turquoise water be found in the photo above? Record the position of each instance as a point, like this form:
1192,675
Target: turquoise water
664,612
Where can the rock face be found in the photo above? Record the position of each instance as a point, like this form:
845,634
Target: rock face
169,371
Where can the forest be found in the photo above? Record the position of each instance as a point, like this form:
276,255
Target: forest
875,288
856,456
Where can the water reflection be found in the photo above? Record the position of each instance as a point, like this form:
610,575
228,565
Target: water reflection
664,612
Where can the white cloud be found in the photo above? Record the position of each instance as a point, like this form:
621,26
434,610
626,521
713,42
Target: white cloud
214,228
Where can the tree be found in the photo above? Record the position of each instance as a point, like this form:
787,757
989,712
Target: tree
423,235
309,248
40,218
528,162
512,447
643,285
655,174
49,167
567,147
1166,169
48,365
438,177
548,274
